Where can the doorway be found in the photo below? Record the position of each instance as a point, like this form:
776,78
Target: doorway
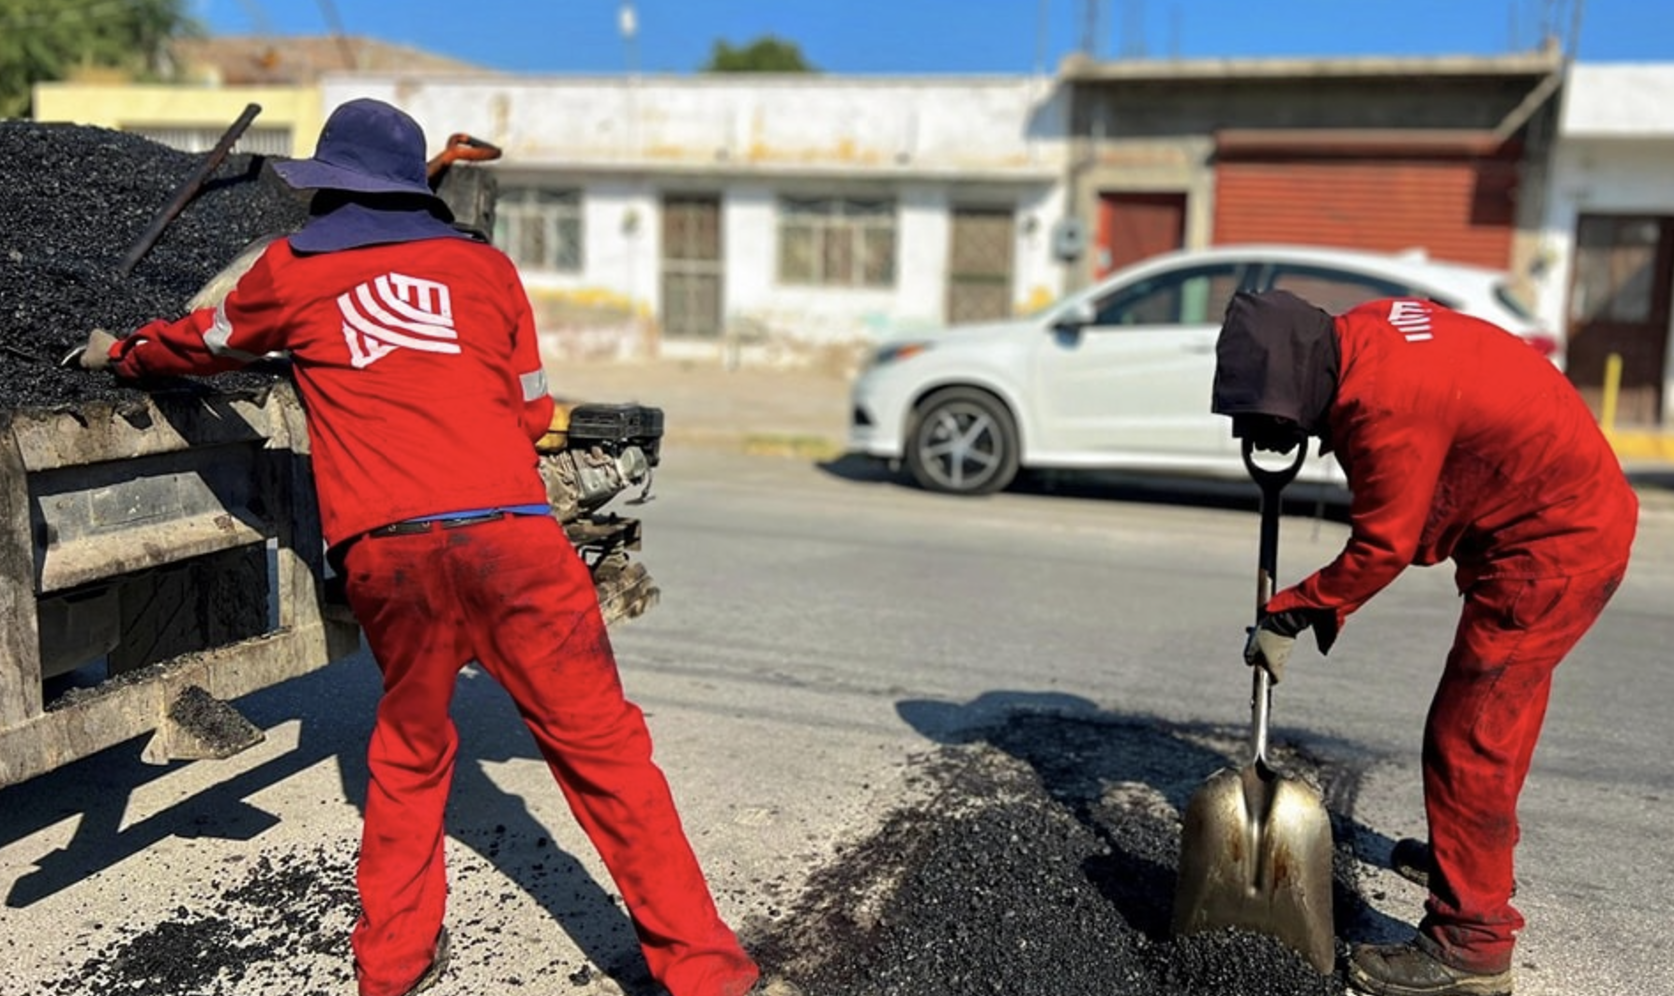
1135,226
980,259
1619,304
692,268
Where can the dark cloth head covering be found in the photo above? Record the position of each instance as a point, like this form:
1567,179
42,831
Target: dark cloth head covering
353,223
373,178
1277,355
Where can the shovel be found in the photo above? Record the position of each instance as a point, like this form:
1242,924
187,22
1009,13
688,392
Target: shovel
1255,851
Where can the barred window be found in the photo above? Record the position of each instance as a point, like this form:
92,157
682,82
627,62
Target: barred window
837,241
540,228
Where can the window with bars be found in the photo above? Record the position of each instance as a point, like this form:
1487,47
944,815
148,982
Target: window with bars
540,228
837,241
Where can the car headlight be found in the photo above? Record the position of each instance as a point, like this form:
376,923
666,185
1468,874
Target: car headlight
896,352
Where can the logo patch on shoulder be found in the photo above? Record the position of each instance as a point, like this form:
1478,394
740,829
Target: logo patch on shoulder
396,311
1411,319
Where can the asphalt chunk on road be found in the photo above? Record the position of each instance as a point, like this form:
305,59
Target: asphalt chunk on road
1038,854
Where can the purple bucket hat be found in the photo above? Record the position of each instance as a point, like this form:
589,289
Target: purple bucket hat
367,147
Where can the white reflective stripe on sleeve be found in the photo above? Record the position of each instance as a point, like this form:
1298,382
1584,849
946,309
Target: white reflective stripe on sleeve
534,385
216,338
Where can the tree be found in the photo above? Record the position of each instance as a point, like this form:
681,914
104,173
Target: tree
42,40
766,54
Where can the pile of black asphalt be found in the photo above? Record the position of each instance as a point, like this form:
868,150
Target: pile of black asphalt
76,200
1037,854
1041,856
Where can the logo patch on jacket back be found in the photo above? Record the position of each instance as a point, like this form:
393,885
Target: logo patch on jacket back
1412,320
394,311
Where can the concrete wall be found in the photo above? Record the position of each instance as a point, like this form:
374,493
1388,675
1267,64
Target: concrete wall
930,144
1613,154
131,107
1156,134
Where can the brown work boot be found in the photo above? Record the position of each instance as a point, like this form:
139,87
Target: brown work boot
1409,970
1410,859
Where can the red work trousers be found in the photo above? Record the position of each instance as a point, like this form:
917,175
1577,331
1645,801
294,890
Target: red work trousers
1478,741
513,595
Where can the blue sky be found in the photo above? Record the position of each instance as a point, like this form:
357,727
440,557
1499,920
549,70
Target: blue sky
953,36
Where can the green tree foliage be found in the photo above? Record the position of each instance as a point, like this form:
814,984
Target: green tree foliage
42,40
764,55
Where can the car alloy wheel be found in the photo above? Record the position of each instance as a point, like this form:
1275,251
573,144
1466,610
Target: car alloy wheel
963,441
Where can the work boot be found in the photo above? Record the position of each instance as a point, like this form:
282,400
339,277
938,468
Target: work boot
775,986
1409,970
1410,859
438,963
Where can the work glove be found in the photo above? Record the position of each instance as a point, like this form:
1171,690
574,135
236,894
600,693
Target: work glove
95,354
1273,638
557,436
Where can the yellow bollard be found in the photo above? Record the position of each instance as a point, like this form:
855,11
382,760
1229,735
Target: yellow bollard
1612,388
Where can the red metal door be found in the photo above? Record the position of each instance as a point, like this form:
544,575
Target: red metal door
1136,226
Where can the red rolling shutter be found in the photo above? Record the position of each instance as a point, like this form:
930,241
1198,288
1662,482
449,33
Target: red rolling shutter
1451,198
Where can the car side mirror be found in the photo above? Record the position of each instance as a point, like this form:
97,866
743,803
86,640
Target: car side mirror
1077,316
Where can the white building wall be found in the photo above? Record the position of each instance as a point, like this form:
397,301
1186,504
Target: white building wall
1613,154
931,144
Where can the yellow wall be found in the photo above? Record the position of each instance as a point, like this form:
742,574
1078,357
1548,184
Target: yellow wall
127,106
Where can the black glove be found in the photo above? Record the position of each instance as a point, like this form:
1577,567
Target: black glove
1272,639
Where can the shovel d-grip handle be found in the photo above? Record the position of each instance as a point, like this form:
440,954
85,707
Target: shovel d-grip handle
1272,484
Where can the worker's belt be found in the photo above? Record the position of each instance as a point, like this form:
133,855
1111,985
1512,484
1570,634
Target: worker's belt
412,526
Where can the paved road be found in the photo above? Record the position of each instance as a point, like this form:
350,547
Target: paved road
820,627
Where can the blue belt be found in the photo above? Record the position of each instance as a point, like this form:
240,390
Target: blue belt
455,520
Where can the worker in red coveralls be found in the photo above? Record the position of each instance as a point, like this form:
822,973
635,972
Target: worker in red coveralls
414,350
1459,441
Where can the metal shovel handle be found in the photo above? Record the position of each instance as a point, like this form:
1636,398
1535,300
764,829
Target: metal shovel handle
1272,484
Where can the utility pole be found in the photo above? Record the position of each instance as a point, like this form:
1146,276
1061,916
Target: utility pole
1092,13
629,23
1133,29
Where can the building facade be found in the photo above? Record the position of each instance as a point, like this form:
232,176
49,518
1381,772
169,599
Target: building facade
1444,155
1607,253
784,215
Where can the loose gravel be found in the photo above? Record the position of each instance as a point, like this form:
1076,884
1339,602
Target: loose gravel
76,199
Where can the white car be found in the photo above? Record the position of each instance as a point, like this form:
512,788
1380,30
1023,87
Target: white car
1118,376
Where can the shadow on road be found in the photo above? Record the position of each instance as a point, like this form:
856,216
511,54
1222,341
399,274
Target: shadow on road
98,792
1096,485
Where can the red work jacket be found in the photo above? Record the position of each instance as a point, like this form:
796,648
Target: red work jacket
417,363
1460,441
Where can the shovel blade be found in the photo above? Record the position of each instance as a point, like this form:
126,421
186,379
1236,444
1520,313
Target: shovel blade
1255,853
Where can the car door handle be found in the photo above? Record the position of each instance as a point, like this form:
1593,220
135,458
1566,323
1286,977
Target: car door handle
1200,348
